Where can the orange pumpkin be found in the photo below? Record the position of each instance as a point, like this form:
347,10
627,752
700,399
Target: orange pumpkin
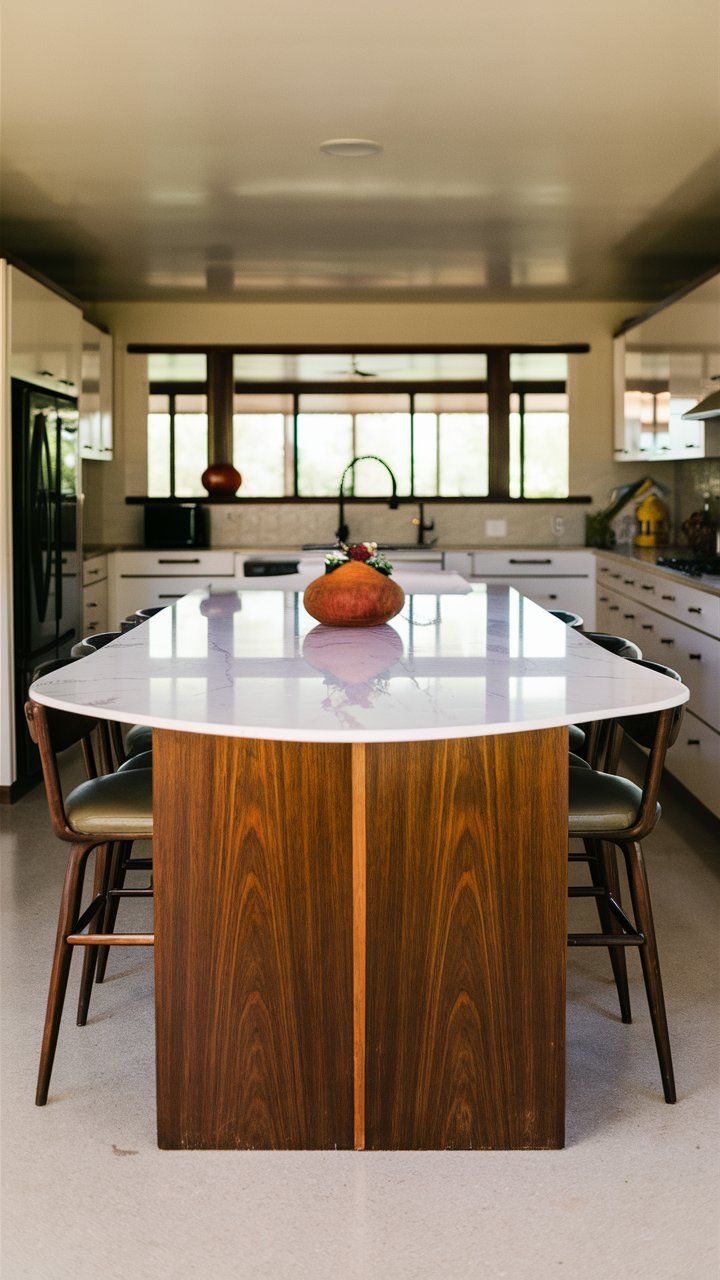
353,596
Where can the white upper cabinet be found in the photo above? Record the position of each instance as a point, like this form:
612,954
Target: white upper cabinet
663,366
96,390
45,336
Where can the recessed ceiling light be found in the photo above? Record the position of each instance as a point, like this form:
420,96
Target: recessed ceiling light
351,147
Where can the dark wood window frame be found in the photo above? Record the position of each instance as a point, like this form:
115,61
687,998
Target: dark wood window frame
497,385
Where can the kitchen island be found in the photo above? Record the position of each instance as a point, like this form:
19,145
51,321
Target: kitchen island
360,863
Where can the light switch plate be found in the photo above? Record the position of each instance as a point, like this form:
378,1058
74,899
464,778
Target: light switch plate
496,528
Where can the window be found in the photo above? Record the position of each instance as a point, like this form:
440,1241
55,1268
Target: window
491,424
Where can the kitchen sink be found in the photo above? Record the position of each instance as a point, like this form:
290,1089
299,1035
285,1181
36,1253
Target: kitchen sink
381,546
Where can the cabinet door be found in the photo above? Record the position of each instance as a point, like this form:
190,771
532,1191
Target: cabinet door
695,761
45,336
106,397
95,607
96,391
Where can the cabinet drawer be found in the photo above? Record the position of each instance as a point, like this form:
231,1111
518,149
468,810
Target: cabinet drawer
95,568
697,609
523,563
695,760
170,564
95,607
696,658
662,591
571,594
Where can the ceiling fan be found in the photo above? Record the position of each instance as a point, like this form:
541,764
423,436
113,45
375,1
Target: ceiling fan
355,370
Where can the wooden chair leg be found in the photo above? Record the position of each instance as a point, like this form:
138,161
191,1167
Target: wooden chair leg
605,875
116,881
100,888
69,911
640,895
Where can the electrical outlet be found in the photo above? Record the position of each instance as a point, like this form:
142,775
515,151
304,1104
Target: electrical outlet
558,526
496,528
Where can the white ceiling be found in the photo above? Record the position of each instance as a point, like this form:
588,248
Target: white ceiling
168,149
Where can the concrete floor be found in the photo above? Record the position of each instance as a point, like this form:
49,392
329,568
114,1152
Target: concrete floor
86,1193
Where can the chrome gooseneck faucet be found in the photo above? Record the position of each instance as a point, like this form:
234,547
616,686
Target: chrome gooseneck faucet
342,531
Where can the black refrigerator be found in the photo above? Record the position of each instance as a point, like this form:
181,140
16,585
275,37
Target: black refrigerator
47,568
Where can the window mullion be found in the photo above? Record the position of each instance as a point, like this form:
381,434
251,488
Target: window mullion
171,407
498,389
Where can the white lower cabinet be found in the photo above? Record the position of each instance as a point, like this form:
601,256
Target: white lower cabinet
151,579
553,579
678,625
95,595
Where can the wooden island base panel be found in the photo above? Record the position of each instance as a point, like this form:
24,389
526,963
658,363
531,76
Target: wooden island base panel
360,944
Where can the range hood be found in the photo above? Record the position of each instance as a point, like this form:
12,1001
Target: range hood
709,407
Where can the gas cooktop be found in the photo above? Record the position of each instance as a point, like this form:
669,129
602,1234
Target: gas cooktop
696,566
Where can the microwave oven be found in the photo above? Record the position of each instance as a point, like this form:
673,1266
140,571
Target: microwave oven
172,525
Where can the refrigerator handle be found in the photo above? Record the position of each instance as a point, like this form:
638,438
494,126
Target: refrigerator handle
58,526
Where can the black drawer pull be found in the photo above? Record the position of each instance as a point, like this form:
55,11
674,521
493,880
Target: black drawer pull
614,608
170,597
629,582
90,604
196,560
603,599
511,561
667,641
645,587
604,568
667,597
615,575
552,597
696,657
694,610
647,626
629,616
693,742
90,572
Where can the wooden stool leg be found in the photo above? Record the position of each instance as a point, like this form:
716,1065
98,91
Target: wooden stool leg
605,869
116,881
69,911
650,964
100,888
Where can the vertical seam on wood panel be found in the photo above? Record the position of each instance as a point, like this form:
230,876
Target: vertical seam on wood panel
359,860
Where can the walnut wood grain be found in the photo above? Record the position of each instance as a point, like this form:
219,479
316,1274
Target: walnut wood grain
359,845
253,943
466,940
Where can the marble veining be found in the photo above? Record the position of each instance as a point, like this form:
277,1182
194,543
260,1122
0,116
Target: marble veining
459,662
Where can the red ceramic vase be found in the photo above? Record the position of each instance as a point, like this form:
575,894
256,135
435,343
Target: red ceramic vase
353,596
221,480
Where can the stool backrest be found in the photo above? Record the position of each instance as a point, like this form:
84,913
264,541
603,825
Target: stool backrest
643,729
53,732
618,645
656,731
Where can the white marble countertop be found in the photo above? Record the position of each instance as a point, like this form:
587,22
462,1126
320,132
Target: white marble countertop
252,663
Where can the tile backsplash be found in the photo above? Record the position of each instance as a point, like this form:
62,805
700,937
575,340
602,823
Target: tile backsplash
459,525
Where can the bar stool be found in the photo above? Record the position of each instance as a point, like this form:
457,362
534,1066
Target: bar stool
142,615
570,619
607,811
97,814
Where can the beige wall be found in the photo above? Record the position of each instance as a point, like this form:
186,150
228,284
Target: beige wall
592,469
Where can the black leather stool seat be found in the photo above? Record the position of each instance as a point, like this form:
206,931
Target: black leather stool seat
577,737
143,760
601,803
117,803
139,738
577,762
